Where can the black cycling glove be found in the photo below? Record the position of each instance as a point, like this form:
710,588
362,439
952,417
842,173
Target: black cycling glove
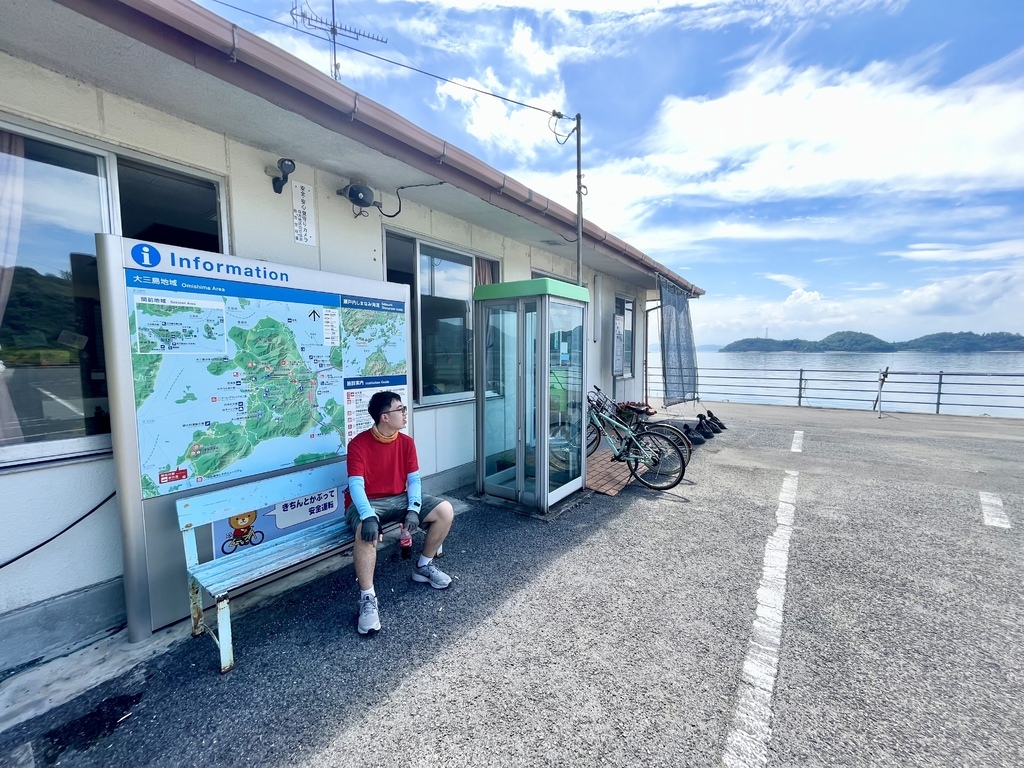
412,521
371,530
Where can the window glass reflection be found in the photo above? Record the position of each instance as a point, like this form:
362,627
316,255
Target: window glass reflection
52,373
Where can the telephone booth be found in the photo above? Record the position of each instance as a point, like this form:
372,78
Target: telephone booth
530,395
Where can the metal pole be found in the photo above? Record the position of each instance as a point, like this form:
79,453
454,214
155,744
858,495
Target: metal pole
938,394
579,199
800,389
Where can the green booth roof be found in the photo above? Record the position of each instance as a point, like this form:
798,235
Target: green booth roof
544,286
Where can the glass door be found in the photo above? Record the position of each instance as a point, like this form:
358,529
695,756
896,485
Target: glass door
532,462
499,422
565,350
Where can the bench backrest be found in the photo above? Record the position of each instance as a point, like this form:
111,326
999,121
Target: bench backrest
223,503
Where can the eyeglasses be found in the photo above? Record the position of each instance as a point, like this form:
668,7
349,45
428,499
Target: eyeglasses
399,409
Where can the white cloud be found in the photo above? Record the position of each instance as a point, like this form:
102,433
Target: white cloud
1007,249
500,124
867,287
536,60
794,283
812,136
992,293
624,196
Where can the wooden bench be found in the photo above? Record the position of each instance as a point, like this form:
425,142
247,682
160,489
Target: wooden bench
247,564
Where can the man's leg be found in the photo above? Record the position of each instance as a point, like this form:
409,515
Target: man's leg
440,519
364,553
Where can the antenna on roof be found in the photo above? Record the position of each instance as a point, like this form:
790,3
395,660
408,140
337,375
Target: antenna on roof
303,14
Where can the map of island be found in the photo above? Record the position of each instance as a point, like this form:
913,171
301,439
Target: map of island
280,397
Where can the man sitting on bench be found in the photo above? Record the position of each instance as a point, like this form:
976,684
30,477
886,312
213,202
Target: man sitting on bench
384,487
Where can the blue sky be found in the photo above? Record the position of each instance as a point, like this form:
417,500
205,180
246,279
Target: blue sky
815,165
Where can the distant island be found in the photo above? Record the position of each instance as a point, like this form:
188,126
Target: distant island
851,341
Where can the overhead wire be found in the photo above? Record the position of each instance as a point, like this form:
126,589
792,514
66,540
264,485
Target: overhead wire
387,60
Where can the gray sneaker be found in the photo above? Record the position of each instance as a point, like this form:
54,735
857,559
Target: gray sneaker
369,619
432,575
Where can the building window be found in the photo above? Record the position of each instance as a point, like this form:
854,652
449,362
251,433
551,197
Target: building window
167,207
441,283
622,353
54,198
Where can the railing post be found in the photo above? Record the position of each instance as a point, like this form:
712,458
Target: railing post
800,389
938,394
881,381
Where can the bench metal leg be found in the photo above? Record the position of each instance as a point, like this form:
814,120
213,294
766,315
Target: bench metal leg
195,598
227,656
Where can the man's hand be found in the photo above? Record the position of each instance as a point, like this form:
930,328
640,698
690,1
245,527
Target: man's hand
370,529
412,521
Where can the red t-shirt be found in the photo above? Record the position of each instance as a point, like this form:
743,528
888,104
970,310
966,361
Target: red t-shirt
384,467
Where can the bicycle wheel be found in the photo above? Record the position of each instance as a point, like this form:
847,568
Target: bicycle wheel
655,460
675,435
593,438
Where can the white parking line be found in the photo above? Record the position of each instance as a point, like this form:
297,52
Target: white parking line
746,746
992,510
798,442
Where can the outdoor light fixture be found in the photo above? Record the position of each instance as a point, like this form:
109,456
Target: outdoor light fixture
286,167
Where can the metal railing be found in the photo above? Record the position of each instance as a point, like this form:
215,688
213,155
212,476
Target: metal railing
960,392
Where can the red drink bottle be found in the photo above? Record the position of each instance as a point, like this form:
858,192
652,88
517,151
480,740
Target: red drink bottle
405,543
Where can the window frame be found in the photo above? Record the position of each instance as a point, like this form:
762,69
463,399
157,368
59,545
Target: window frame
416,383
70,448
629,310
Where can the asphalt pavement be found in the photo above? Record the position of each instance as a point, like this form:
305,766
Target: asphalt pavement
627,630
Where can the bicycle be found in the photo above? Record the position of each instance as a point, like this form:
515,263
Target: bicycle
638,421
653,459
250,537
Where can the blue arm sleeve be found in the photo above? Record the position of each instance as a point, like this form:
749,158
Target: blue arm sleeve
414,491
357,490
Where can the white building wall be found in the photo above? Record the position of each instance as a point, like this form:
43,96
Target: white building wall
38,503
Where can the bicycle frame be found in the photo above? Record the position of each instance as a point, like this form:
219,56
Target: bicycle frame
619,449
